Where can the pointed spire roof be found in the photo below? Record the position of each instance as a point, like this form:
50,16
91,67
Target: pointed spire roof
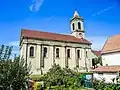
76,15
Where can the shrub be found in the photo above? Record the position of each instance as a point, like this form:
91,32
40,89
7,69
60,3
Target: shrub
57,76
100,85
37,77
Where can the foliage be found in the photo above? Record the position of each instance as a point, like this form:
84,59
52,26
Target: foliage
37,77
100,85
12,72
61,77
100,60
97,61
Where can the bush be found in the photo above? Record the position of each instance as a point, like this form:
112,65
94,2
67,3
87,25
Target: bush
57,76
37,77
100,85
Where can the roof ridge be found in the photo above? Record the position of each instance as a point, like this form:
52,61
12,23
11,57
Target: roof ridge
47,32
52,36
111,44
115,35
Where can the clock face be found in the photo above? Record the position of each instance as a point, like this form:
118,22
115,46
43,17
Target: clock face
80,35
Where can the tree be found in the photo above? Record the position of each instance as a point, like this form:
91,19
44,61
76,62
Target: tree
100,60
13,72
57,76
96,61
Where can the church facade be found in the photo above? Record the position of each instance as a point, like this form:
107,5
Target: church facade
43,49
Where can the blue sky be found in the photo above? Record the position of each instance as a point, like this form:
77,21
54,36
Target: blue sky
101,18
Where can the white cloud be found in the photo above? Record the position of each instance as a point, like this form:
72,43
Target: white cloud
15,49
35,6
97,41
50,18
15,52
13,43
103,10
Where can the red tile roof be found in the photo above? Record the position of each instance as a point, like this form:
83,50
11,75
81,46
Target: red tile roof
107,69
112,44
97,53
51,36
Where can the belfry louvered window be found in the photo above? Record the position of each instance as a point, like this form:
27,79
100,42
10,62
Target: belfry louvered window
73,26
79,25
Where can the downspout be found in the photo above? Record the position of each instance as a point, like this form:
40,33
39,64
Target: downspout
41,60
26,59
53,54
66,59
26,52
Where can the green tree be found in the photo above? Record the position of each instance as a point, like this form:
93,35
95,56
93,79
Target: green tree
100,60
60,77
13,72
96,61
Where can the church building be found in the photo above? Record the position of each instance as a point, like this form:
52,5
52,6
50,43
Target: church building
43,49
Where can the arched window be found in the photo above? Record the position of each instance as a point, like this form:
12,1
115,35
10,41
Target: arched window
45,52
57,52
73,25
79,25
68,53
78,53
31,51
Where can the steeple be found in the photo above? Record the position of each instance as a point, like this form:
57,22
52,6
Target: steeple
76,14
77,28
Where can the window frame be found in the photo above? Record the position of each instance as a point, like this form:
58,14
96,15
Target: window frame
86,53
57,53
68,53
45,53
78,54
73,26
79,25
31,51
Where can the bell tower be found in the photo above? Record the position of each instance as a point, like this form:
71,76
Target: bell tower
77,27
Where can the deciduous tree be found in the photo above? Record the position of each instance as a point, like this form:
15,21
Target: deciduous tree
13,72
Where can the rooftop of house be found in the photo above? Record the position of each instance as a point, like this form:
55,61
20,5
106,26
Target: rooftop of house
112,45
26,33
107,69
97,53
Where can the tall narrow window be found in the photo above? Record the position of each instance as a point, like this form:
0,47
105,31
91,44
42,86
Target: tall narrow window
86,54
78,53
93,63
31,51
79,25
57,52
68,53
73,25
45,52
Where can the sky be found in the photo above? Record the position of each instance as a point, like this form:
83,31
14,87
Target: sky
101,19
